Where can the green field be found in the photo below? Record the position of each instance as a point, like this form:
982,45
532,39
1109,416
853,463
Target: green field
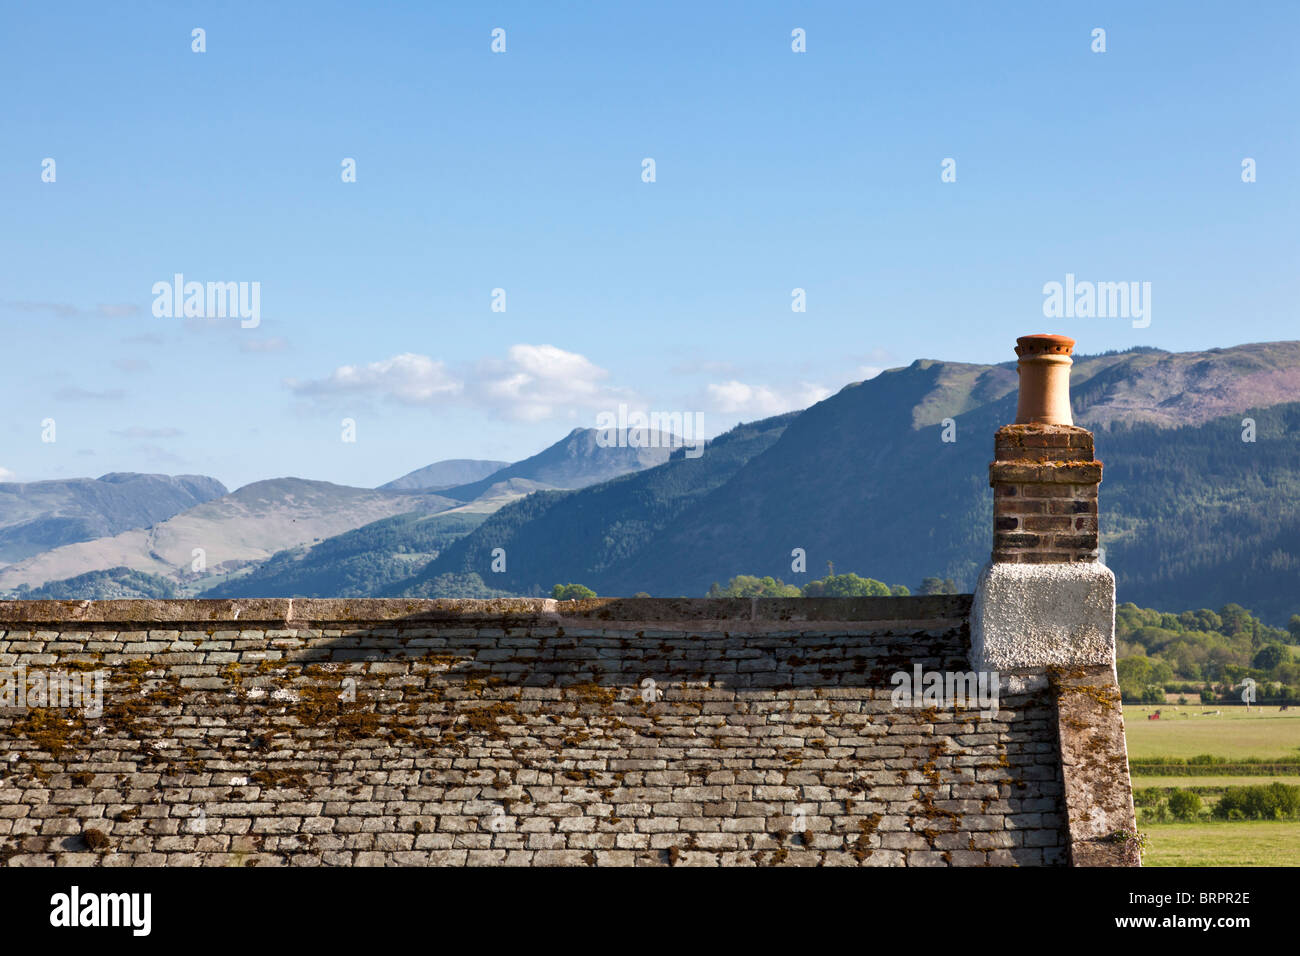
1186,732
1233,780
1243,843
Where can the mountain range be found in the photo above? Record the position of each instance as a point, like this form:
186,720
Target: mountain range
224,534
577,460
1192,514
444,474
154,541
40,515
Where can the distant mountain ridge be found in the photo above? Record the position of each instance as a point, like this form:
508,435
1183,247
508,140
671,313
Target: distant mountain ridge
587,533
243,527
39,515
575,461
283,518
444,474
1190,513
1177,389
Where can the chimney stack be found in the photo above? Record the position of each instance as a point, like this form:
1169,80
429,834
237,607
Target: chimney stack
1044,475
1044,606
1044,600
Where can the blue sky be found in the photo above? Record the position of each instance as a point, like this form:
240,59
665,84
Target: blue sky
522,171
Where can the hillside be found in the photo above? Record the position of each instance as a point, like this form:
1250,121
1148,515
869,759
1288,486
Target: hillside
444,474
1195,517
560,536
1177,389
575,461
1157,650
1190,514
248,525
39,515
357,563
114,584
255,523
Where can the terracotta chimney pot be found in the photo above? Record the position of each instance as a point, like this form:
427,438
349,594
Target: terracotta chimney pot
1044,370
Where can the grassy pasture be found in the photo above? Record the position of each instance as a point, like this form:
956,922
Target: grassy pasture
1215,843
1227,780
1185,732
1234,733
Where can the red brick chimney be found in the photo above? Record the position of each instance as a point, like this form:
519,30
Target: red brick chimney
1044,476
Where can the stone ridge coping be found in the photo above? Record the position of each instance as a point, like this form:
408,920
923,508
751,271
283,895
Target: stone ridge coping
514,612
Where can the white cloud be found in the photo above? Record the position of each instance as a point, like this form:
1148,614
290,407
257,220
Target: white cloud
531,383
407,378
738,398
7,475
866,372
537,382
